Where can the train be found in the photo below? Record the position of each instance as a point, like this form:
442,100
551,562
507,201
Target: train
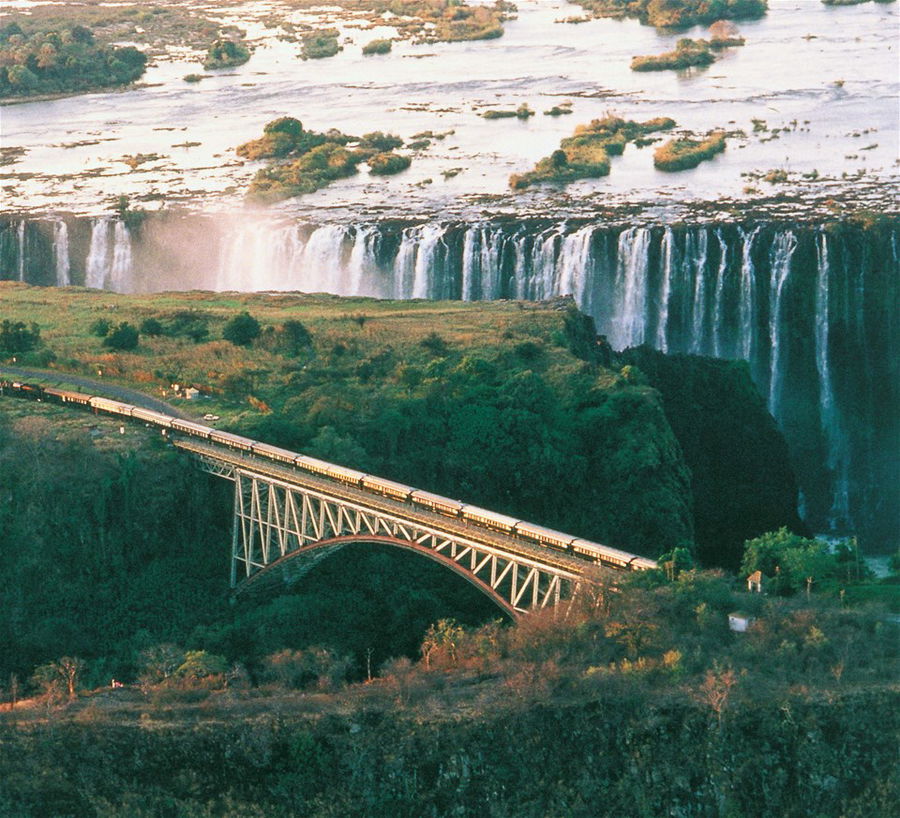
468,514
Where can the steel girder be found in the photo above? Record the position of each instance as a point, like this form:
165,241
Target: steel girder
275,521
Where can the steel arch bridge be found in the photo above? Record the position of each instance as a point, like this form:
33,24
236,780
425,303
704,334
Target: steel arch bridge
286,522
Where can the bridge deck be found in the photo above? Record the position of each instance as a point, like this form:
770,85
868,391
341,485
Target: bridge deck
378,502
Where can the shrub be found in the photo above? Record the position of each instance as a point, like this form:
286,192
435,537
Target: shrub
100,328
226,54
318,47
681,154
377,47
151,326
380,142
123,337
687,53
386,164
241,330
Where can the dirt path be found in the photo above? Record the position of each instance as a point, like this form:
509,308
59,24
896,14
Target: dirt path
94,387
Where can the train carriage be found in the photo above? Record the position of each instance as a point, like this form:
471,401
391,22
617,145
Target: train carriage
67,396
545,536
188,427
312,464
245,444
489,519
389,488
602,553
442,505
345,475
112,407
274,453
150,416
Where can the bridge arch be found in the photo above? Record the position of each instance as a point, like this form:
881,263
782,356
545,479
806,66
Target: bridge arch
285,570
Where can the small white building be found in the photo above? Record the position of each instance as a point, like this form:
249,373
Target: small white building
739,622
191,393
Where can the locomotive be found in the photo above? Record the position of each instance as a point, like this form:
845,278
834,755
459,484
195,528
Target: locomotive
468,514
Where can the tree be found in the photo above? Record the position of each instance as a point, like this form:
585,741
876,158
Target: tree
151,326
16,337
159,662
294,337
100,328
124,336
792,561
199,664
54,677
241,330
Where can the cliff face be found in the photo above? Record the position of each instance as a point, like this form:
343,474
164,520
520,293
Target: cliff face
741,476
812,308
618,756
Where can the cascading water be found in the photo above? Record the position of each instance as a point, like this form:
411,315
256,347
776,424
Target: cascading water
782,251
630,318
20,236
665,292
97,264
61,253
839,516
809,309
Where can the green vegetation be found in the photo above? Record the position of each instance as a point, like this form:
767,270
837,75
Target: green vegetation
122,337
522,112
17,337
585,155
681,154
319,45
226,54
676,13
385,164
257,705
241,330
62,62
724,35
307,161
377,47
687,53
559,110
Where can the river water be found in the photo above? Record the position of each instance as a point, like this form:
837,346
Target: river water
827,76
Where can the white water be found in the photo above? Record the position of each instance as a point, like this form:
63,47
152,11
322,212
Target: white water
97,265
782,250
668,264
835,440
631,288
20,237
697,258
61,253
747,306
718,315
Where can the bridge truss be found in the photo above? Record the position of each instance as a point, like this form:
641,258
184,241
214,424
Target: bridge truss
284,526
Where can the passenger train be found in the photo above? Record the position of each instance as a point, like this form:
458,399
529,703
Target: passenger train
469,514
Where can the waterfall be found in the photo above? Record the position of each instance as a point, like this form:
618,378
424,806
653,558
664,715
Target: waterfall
430,240
629,321
747,303
120,272
97,263
783,247
665,289
718,316
575,264
470,245
698,310
61,253
20,239
364,262
405,264
837,461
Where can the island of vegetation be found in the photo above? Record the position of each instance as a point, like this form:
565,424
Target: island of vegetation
68,60
393,689
585,155
319,45
226,54
676,13
681,154
382,46
687,54
304,161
